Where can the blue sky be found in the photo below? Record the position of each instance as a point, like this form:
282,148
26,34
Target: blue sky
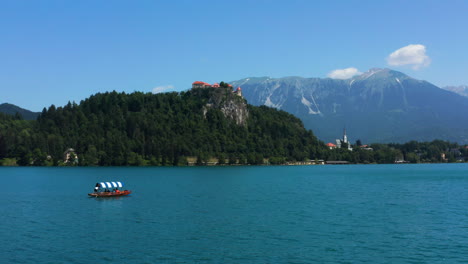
52,52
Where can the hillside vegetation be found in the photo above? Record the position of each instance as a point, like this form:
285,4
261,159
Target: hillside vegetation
114,129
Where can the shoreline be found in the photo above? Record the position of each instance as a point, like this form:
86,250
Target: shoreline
230,165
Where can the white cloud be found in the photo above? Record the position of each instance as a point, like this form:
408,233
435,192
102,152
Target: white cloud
163,88
414,55
343,73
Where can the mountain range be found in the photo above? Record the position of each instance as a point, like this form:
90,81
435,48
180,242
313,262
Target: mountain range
380,105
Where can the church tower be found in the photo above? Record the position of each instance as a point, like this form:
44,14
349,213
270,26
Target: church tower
238,91
345,138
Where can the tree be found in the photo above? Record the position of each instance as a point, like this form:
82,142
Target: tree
3,147
258,159
251,159
24,158
344,145
91,157
232,159
223,85
18,116
242,159
38,158
221,159
358,143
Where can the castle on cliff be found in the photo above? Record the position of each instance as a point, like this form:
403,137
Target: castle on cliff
199,84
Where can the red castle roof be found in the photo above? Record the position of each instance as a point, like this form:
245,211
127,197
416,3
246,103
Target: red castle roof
201,83
238,88
331,145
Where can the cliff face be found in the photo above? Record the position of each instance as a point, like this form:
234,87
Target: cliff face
231,105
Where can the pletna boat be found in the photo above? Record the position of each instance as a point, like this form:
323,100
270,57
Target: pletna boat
108,189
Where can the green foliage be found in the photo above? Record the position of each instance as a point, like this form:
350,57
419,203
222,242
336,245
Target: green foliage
3,147
411,152
223,85
139,129
358,143
115,129
277,160
8,162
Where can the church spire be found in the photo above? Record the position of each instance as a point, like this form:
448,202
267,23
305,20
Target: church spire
345,138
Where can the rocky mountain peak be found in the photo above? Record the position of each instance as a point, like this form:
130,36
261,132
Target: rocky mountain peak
380,73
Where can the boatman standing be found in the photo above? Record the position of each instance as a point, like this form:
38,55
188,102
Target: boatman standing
96,188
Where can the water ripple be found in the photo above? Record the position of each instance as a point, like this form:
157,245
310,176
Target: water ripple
315,214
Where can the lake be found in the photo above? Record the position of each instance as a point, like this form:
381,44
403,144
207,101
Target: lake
249,214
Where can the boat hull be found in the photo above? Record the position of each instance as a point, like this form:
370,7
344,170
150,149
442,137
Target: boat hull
109,194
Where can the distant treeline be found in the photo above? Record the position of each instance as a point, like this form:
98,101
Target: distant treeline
171,129
411,152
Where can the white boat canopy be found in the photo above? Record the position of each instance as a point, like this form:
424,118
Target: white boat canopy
110,184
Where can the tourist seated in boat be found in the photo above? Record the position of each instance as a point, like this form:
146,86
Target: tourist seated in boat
108,189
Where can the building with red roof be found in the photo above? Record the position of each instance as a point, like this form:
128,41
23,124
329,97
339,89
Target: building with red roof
331,145
199,84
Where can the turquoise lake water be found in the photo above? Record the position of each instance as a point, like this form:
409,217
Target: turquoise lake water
296,214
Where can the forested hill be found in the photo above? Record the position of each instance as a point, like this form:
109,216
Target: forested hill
158,129
11,109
